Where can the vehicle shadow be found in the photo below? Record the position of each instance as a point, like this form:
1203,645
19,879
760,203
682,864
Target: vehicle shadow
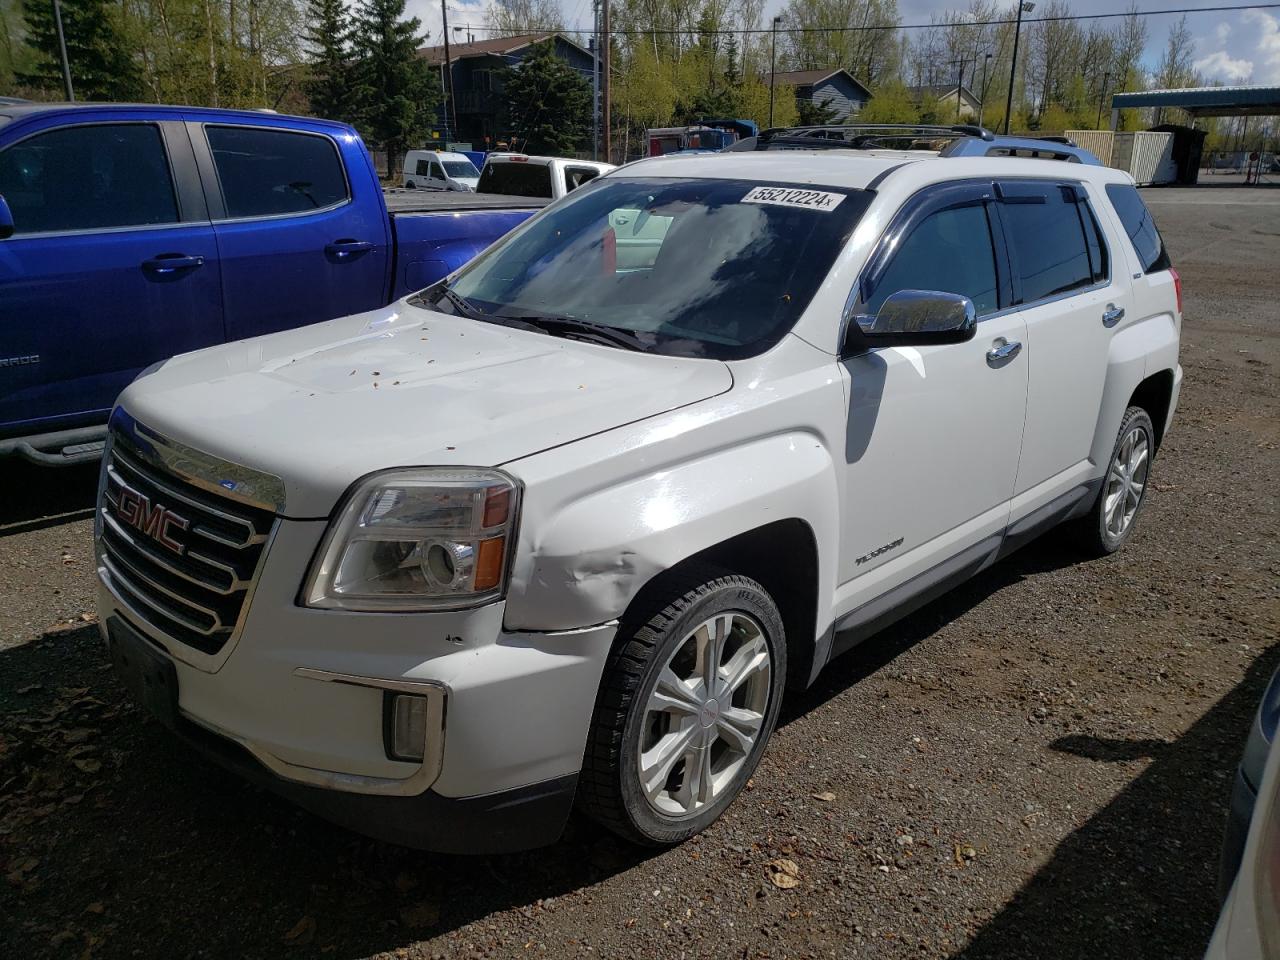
1143,871
119,814
33,497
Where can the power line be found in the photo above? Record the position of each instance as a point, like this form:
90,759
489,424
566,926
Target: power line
948,25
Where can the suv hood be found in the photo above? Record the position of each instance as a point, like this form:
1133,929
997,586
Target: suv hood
323,405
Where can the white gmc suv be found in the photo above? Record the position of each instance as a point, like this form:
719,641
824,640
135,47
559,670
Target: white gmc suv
561,529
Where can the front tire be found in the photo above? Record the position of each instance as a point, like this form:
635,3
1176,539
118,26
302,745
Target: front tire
1108,526
686,706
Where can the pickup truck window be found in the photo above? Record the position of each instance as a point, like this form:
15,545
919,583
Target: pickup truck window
1048,240
575,177
267,172
696,268
516,179
951,251
90,177
1139,226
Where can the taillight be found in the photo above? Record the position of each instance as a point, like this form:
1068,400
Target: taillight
1177,286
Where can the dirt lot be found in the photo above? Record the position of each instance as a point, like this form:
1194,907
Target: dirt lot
1035,766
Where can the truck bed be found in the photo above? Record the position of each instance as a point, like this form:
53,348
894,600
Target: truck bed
400,200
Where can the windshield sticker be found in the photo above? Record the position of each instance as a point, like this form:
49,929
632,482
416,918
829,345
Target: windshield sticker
795,197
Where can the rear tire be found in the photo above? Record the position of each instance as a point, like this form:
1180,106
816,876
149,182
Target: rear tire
1110,522
668,751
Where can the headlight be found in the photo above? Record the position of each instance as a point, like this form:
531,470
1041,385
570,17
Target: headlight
423,539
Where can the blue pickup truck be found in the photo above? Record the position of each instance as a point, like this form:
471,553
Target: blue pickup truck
129,234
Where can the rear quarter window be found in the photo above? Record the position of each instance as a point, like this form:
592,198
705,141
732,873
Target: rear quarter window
1139,225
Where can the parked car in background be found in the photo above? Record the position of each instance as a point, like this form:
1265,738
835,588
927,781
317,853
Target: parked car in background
437,170
1249,924
598,510
520,175
129,234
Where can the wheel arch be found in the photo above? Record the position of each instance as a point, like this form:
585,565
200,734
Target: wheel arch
1155,395
782,557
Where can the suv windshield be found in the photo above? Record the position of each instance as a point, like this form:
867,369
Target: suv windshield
460,168
516,178
697,268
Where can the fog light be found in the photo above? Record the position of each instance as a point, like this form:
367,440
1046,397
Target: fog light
407,735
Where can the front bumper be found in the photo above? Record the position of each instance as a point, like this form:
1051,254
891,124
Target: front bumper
297,703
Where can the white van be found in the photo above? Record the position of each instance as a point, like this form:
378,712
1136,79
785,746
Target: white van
436,170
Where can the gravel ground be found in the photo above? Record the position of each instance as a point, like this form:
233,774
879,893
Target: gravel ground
1034,766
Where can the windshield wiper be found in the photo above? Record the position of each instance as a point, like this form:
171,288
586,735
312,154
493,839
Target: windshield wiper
584,328
462,305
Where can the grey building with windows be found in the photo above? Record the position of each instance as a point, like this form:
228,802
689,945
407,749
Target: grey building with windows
475,68
836,89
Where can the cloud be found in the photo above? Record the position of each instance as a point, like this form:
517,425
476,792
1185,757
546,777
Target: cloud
1267,29
1220,65
1222,31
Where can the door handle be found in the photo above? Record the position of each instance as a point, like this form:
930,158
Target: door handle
1112,315
1003,351
167,264
347,249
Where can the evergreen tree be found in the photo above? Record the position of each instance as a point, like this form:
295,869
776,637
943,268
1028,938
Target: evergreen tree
397,89
328,87
101,67
814,114
548,103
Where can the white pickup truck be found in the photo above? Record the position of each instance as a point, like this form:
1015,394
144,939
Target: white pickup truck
521,175
563,528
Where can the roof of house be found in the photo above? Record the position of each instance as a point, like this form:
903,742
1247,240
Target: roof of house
940,90
809,78
497,46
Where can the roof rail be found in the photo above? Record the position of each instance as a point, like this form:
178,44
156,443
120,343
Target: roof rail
859,136
966,140
1040,148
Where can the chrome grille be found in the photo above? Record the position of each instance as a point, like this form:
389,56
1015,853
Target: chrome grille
179,556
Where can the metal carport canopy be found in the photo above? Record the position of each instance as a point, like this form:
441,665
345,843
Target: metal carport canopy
1206,101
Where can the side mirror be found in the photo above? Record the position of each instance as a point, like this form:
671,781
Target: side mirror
6,220
914,318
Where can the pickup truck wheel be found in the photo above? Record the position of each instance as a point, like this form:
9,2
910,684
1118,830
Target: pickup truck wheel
686,706
1124,487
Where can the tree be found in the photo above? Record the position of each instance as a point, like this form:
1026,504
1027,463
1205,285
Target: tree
891,103
810,113
396,90
547,103
514,17
101,67
328,86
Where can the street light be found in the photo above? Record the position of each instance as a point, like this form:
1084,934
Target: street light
1023,7
982,103
773,57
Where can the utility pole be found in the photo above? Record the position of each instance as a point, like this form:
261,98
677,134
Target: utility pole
960,81
595,80
773,60
452,109
1102,98
62,49
982,102
1024,6
605,85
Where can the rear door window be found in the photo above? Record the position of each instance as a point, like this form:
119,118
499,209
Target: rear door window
88,177
950,251
1140,226
516,179
423,169
1047,239
267,172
